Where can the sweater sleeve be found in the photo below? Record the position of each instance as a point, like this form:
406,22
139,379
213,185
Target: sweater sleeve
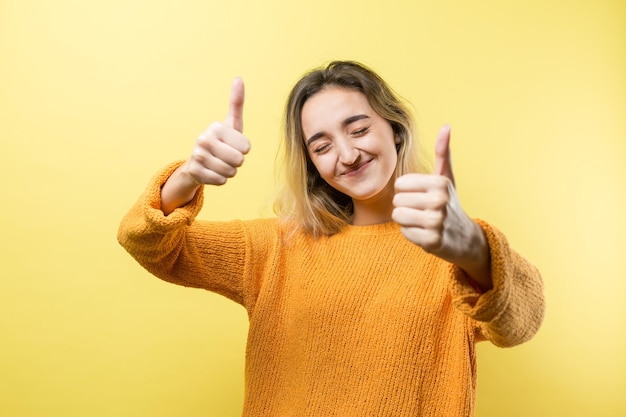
512,311
181,250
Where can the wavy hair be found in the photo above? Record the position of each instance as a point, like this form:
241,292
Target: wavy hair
305,198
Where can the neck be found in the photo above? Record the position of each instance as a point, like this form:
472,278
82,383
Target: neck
367,217
374,211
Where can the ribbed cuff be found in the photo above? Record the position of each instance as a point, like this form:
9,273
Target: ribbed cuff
152,203
485,306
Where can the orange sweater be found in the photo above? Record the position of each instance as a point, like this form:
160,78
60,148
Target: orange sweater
362,323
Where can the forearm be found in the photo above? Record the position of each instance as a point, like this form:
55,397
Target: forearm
146,233
477,263
179,189
512,311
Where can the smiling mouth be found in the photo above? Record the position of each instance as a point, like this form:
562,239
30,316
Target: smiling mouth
356,169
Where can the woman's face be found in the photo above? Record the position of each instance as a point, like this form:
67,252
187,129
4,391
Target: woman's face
352,147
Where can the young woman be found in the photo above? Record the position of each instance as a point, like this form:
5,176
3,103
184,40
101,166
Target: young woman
367,294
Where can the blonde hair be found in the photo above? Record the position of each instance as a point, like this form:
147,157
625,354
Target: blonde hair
305,198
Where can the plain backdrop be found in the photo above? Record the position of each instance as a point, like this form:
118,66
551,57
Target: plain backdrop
96,96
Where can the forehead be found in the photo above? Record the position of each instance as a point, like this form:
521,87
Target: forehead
333,105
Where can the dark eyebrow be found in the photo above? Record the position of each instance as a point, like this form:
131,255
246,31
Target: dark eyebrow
345,123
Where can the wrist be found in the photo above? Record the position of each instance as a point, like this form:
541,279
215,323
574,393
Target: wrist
179,189
477,265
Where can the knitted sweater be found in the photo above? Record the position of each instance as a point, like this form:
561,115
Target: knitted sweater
361,323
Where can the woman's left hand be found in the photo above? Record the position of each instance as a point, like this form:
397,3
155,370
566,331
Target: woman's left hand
430,215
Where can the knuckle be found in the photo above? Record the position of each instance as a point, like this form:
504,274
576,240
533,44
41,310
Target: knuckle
195,168
211,134
215,127
204,141
200,143
197,156
197,174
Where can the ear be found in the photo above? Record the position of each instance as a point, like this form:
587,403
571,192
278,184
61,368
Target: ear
398,141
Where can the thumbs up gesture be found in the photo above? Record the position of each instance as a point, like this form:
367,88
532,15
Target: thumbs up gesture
430,215
217,154
220,149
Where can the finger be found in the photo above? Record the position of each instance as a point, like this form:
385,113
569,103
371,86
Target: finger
420,183
234,118
221,133
422,219
443,159
436,200
221,152
217,165
428,239
206,176
202,174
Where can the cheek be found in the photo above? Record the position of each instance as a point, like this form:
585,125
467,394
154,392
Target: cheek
325,167
391,158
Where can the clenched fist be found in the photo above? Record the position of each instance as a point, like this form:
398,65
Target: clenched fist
217,154
430,215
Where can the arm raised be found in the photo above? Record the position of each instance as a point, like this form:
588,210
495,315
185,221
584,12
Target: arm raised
217,154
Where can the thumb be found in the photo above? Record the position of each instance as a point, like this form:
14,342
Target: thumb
443,160
234,118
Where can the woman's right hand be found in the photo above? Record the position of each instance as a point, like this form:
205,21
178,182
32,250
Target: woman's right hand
218,152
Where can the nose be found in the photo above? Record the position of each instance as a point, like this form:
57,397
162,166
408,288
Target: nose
348,154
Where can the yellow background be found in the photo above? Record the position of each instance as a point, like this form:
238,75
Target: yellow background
95,96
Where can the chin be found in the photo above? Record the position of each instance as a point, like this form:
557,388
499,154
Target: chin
365,196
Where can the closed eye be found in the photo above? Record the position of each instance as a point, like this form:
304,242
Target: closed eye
321,149
361,132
